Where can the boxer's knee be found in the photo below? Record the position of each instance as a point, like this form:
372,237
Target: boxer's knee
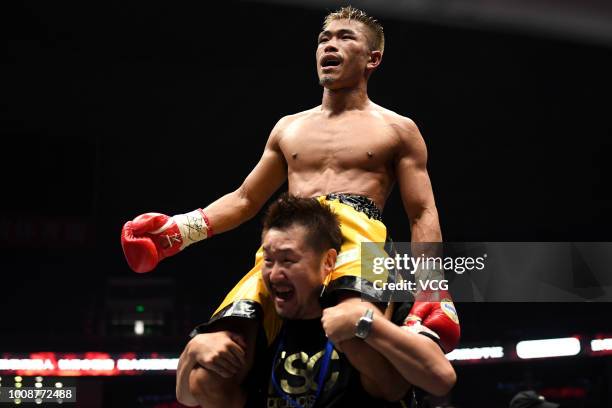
210,388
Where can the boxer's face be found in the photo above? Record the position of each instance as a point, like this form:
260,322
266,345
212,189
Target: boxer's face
293,272
343,54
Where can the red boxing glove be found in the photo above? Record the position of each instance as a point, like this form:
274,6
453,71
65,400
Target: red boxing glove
435,311
151,237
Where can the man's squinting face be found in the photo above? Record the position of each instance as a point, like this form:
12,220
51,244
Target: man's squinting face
293,272
343,53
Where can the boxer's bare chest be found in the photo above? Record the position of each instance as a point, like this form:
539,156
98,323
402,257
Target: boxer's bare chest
352,142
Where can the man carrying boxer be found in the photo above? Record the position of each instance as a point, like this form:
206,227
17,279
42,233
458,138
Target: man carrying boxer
348,152
347,355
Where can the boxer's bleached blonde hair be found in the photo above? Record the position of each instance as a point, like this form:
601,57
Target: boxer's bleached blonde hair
377,36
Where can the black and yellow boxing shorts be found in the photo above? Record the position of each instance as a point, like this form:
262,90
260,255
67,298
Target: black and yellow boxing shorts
360,221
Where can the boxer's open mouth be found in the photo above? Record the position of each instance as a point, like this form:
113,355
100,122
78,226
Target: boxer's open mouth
330,61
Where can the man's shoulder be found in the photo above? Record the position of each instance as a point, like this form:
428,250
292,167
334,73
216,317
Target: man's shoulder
292,118
394,119
290,121
403,130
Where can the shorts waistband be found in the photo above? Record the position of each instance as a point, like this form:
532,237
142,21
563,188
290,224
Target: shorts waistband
358,202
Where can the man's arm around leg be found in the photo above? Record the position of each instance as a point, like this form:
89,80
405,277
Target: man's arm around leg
213,365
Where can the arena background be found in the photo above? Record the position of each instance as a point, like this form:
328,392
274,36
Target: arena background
111,110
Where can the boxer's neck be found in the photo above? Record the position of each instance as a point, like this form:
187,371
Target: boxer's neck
336,101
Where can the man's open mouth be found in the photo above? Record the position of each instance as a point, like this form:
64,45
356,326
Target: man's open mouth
330,61
284,293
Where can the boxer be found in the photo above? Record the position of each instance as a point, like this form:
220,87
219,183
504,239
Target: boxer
348,152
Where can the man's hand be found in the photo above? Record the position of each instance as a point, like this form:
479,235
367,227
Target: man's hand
213,365
339,321
221,352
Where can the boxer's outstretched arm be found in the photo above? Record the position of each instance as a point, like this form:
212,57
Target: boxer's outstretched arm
414,183
152,237
245,202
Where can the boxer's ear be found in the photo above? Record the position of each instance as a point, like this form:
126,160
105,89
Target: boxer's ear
374,60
